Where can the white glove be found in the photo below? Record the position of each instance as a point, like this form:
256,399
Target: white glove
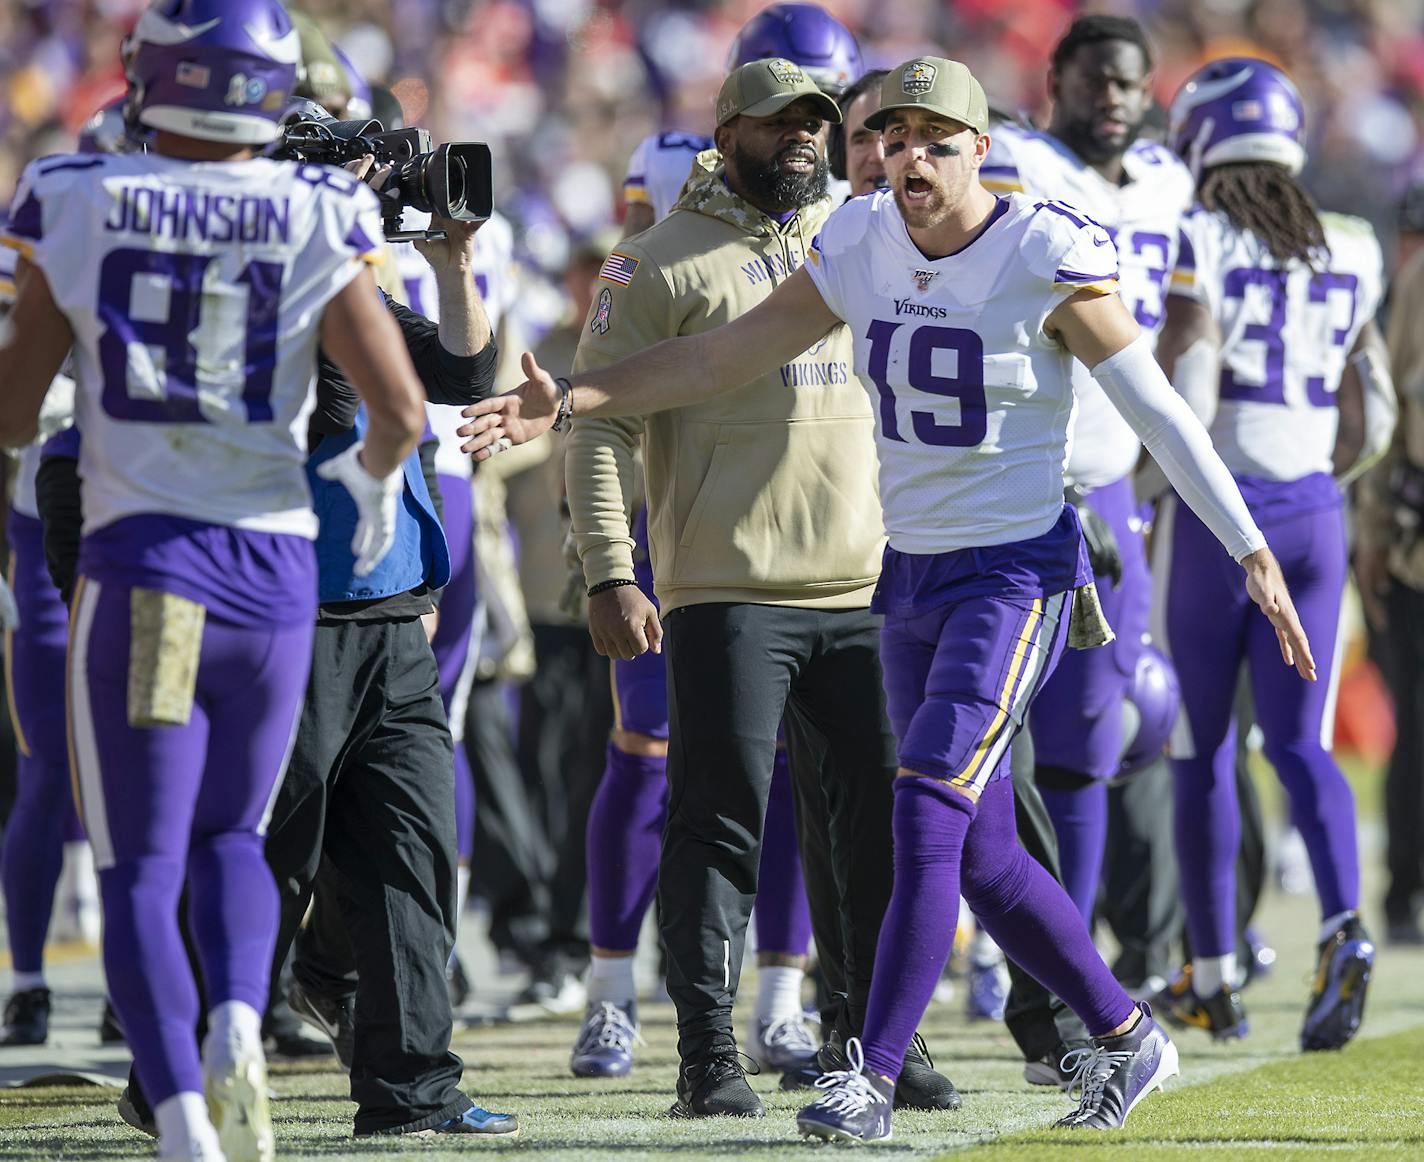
377,503
9,611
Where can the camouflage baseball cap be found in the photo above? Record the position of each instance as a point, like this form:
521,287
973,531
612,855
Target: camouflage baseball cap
936,85
762,88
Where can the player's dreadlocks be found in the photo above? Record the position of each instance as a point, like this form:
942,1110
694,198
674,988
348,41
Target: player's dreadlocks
1265,199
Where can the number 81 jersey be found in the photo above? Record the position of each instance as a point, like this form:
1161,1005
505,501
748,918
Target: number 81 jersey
971,398
1286,333
195,293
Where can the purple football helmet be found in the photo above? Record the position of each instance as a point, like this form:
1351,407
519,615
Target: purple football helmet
806,35
217,70
108,131
1238,109
1156,695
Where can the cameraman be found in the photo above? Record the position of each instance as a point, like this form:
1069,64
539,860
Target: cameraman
368,792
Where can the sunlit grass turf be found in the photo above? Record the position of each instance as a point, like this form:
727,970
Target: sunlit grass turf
1366,1102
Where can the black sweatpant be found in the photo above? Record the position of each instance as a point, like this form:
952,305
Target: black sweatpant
734,671
370,787
1401,651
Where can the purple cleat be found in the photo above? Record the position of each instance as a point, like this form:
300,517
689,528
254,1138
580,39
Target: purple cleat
855,1104
605,1042
1337,999
1115,1073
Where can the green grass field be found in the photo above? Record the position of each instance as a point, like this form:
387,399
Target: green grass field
1256,1099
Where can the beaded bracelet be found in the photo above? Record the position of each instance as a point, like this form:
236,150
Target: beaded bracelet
612,583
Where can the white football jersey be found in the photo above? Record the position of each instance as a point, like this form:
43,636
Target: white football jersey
195,292
496,277
659,168
1143,216
971,397
1286,334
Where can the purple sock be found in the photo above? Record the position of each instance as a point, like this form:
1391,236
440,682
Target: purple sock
930,823
783,917
464,805
1032,918
32,854
625,827
1080,820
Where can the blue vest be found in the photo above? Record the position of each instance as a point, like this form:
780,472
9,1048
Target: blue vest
420,553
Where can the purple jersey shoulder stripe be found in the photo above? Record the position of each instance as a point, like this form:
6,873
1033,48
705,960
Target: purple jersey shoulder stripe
357,239
26,221
1065,275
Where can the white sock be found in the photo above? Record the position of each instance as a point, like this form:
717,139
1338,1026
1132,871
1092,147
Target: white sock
610,978
778,992
236,1024
24,981
1209,973
1332,925
462,891
184,1129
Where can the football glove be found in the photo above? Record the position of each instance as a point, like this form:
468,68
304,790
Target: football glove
377,505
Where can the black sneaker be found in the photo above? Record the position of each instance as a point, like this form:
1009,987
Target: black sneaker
110,1031
919,1087
333,1016
1115,1073
714,1083
1337,997
136,1113
1050,1069
457,981
26,1018
1222,1014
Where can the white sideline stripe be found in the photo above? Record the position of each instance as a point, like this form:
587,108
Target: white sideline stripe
86,747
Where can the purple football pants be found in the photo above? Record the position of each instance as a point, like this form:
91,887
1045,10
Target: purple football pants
453,633
1077,720
959,680
1212,626
162,804
33,851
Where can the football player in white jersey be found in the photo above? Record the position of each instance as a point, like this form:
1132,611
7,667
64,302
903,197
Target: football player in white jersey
806,35
193,284
967,310
1272,306
1090,157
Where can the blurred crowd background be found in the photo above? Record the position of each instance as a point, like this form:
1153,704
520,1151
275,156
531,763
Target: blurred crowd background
563,89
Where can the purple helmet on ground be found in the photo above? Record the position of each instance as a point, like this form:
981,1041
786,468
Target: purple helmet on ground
1156,695
1238,109
806,35
217,70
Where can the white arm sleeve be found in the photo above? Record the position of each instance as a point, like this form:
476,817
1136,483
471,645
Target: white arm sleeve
1162,420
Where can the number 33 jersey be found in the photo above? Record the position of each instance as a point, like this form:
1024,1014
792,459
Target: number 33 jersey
971,397
1286,333
195,292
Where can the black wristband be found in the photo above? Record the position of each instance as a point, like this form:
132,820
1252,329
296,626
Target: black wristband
612,583
566,403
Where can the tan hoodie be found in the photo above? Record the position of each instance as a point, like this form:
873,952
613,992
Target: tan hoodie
766,494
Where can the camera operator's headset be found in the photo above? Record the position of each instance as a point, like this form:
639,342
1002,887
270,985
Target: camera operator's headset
836,141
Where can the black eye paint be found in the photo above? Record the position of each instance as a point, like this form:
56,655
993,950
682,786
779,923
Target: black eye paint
941,149
894,147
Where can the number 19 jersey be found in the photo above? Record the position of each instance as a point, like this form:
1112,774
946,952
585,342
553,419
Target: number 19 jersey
1286,333
195,292
971,398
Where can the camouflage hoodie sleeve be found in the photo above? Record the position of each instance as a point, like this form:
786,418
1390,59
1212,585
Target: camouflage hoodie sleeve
632,309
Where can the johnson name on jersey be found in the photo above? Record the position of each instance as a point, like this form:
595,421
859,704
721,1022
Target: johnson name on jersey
971,397
1286,334
659,168
194,291
1143,216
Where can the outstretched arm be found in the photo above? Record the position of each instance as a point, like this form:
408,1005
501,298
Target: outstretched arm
671,374
1098,330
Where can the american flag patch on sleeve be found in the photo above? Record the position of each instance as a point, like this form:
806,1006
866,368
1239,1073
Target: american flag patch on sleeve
618,268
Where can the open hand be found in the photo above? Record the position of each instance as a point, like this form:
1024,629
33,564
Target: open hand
1268,590
516,417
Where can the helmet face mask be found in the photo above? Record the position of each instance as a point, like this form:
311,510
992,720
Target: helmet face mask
1236,110
214,70
806,35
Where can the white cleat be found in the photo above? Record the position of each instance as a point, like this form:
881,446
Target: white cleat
235,1081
